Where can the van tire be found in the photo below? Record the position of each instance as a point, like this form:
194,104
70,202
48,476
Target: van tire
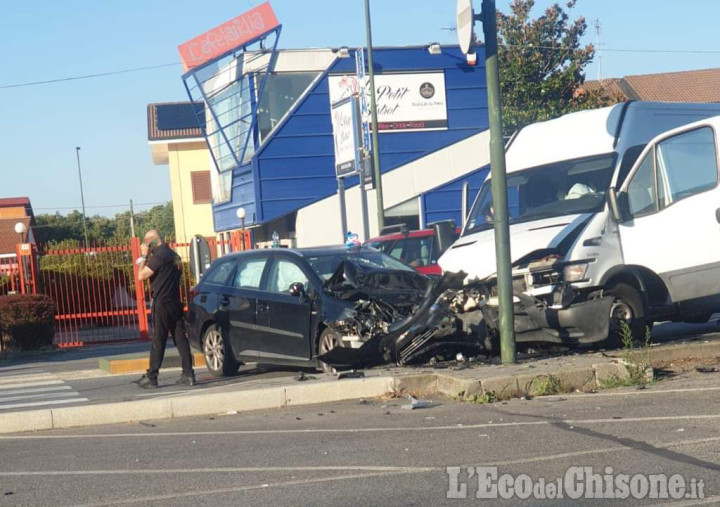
627,306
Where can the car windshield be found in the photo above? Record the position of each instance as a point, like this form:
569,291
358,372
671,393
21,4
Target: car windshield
326,265
562,188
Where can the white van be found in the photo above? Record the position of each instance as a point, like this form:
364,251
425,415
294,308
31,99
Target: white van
614,216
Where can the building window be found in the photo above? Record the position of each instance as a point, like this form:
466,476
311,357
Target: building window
201,190
282,90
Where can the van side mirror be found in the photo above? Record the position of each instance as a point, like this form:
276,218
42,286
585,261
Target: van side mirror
623,203
618,204
445,234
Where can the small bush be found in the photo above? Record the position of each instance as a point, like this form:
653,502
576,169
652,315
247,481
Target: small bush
27,321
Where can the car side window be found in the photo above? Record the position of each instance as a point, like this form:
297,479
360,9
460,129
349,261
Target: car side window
686,165
283,274
641,189
249,273
220,272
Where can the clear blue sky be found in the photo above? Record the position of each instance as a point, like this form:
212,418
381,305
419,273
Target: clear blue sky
106,116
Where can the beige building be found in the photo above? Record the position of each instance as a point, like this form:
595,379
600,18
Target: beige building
177,142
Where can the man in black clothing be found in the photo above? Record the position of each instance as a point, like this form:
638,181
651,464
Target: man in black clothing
164,269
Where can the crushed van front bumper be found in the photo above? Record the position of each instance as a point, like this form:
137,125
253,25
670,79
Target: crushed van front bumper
581,322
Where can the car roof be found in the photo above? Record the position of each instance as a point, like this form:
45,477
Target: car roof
399,235
308,252
421,233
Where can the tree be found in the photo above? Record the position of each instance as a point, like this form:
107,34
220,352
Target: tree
59,228
542,64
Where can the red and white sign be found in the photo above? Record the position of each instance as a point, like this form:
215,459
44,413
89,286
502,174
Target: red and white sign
405,101
228,36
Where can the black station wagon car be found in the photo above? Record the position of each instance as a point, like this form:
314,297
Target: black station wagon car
289,306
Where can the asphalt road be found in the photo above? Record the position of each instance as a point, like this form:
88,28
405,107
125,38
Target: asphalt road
373,452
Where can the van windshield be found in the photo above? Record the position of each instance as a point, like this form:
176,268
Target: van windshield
562,188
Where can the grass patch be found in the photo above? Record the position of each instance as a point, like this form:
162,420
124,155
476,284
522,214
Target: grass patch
636,359
547,385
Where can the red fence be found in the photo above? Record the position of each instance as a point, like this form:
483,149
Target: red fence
97,294
9,274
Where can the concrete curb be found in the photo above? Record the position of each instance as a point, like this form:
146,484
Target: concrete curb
186,406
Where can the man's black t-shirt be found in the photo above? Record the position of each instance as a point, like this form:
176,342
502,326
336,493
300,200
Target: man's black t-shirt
167,272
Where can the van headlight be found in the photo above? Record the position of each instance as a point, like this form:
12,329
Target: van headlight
575,272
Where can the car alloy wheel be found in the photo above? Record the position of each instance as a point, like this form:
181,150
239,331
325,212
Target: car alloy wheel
219,357
214,350
329,339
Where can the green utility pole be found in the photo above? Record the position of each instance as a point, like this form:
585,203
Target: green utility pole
373,114
499,187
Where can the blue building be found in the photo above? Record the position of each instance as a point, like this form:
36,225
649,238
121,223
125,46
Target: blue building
433,137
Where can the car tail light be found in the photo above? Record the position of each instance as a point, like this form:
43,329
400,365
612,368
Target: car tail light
193,292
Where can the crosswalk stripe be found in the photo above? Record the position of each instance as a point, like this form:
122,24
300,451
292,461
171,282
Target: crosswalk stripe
59,394
34,378
31,384
27,387
35,390
40,403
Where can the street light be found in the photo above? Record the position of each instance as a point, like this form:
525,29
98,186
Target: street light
82,195
20,228
240,212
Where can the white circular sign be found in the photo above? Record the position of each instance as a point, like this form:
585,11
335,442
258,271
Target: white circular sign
465,21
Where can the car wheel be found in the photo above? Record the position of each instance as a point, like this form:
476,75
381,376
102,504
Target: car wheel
219,356
627,307
329,339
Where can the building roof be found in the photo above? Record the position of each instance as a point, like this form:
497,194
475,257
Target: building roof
8,237
685,86
175,120
7,202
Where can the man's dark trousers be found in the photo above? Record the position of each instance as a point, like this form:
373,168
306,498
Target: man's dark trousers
168,318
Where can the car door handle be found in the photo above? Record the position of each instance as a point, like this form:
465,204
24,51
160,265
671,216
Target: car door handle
224,301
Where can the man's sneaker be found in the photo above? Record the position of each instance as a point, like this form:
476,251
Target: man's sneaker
147,382
186,380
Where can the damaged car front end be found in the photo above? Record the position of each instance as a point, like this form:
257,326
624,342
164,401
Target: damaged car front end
395,317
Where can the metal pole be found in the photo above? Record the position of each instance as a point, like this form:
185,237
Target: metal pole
373,116
132,220
343,215
464,202
364,208
499,188
82,195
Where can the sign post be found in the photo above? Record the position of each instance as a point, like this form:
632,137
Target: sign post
465,21
346,135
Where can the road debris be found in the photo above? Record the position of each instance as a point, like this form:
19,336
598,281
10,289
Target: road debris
415,403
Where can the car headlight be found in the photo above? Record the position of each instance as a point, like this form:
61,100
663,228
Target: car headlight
575,272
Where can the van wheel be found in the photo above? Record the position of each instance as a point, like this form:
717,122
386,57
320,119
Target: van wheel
329,339
627,307
219,357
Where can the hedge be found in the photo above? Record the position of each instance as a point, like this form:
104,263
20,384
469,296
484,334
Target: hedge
27,321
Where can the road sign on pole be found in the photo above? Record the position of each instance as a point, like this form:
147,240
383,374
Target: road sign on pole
465,20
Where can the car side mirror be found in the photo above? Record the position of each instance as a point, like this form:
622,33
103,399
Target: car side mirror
297,289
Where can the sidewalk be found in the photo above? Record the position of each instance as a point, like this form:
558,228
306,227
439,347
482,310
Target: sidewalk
96,397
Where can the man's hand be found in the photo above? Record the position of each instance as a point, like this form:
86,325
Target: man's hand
144,249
